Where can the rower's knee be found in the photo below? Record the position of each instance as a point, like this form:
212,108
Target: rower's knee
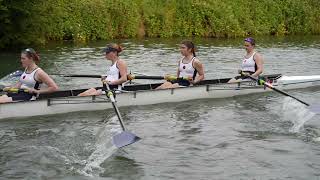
5,99
165,85
175,85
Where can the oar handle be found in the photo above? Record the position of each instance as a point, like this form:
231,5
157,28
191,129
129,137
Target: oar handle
14,90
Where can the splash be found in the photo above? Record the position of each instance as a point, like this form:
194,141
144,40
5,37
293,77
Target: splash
103,150
297,113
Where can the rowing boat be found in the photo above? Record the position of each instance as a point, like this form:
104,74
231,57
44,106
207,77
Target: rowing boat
145,94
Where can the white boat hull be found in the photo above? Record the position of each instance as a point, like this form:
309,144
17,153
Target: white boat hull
145,97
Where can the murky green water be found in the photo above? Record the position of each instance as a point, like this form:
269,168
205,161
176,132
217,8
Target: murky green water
247,137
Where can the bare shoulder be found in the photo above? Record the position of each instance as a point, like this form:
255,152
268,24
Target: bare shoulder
121,61
258,56
41,73
196,61
121,64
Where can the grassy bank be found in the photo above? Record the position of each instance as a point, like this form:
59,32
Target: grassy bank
39,21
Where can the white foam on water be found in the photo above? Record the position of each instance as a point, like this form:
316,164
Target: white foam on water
104,148
317,139
297,113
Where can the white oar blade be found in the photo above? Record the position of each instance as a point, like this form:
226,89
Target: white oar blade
16,73
315,108
125,138
12,76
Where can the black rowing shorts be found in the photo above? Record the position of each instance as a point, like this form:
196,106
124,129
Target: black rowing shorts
20,96
181,82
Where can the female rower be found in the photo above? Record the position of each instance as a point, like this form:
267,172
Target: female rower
252,63
190,69
116,74
30,81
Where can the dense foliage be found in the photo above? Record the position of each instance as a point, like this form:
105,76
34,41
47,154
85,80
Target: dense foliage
39,21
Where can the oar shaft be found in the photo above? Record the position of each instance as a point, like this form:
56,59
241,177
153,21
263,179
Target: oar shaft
78,75
169,78
277,90
148,77
284,93
109,93
129,76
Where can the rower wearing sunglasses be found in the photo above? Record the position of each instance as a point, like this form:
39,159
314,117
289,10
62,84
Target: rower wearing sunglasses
116,74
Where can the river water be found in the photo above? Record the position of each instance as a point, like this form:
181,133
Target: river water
261,136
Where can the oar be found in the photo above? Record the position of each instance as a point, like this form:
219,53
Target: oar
125,137
13,74
169,77
129,76
78,75
314,108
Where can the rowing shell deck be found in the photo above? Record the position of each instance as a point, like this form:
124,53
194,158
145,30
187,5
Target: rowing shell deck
145,94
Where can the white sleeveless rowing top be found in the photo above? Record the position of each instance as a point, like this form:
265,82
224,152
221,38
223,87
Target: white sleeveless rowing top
249,64
113,73
186,70
28,81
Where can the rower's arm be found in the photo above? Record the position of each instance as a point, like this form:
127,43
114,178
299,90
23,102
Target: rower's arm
45,78
259,61
199,67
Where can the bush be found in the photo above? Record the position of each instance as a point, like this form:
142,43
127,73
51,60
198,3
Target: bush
36,22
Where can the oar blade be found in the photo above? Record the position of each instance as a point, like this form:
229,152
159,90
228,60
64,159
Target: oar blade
14,74
315,108
124,138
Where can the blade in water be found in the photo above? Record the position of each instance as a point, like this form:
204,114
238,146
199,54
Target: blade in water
315,108
125,138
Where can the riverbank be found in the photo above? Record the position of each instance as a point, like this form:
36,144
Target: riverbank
82,20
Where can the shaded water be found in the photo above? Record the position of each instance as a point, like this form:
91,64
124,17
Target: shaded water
246,137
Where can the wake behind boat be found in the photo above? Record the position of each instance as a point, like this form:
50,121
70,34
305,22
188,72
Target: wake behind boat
145,94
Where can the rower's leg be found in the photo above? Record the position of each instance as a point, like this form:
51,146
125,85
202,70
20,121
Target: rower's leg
234,80
5,99
91,92
168,85
175,85
165,85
